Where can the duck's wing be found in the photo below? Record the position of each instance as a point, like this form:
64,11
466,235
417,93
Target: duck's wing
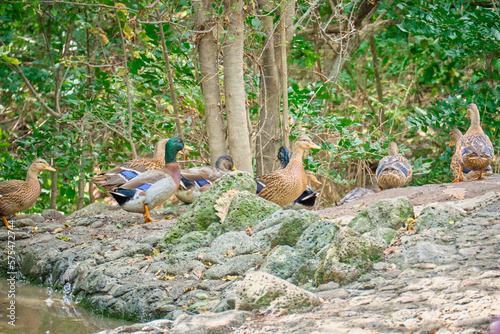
11,186
147,178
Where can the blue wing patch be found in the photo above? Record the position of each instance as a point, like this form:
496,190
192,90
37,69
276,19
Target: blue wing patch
202,183
128,174
144,186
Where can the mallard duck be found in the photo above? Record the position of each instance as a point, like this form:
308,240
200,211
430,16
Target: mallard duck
475,151
153,187
308,197
198,179
394,170
456,162
126,171
17,195
285,185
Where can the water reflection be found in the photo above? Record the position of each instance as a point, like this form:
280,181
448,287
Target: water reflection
42,310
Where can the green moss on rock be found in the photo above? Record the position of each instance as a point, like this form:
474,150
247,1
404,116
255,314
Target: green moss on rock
391,213
202,212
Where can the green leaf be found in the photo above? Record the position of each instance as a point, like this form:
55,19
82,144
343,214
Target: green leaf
10,60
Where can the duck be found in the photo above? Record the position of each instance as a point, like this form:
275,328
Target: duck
284,186
394,170
17,195
126,171
153,187
308,198
474,149
456,162
360,192
198,179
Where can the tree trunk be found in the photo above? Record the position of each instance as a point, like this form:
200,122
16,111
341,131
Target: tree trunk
80,201
54,190
209,68
381,116
238,134
269,110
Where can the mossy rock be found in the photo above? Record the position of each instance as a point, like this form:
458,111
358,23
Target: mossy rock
315,237
247,209
202,212
439,215
282,262
349,256
391,213
382,236
293,224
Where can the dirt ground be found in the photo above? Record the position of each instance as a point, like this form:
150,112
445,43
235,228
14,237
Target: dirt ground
420,195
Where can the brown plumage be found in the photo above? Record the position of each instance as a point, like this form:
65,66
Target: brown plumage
285,185
126,171
474,148
393,171
198,179
17,195
457,164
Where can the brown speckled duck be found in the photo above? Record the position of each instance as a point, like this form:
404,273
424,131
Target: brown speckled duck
126,171
198,179
474,148
17,195
285,185
393,171
456,162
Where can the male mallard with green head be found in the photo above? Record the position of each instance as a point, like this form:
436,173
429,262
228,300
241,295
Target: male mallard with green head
126,171
198,179
285,185
394,170
474,148
153,187
17,195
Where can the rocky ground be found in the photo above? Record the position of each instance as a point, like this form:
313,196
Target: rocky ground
232,262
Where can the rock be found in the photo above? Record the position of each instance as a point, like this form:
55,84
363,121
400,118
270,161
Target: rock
348,257
38,219
293,224
192,241
235,266
391,213
155,326
209,323
202,212
315,237
381,236
425,252
267,293
439,215
282,262
52,214
247,209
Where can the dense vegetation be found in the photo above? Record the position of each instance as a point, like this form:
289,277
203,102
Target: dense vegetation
87,84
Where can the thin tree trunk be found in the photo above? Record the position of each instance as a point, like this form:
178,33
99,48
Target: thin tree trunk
54,190
238,134
80,201
381,116
170,80
127,84
269,111
209,68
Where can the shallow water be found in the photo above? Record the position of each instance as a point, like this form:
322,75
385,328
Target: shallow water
42,310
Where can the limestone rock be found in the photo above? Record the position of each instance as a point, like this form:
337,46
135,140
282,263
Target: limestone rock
282,262
202,212
293,224
391,213
247,209
348,257
381,236
439,215
267,293
315,237
209,323
235,266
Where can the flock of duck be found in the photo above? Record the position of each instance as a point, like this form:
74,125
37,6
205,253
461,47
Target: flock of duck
143,184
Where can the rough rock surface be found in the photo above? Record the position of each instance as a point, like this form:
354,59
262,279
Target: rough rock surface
442,278
270,294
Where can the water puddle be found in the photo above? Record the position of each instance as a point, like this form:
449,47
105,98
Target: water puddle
42,310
